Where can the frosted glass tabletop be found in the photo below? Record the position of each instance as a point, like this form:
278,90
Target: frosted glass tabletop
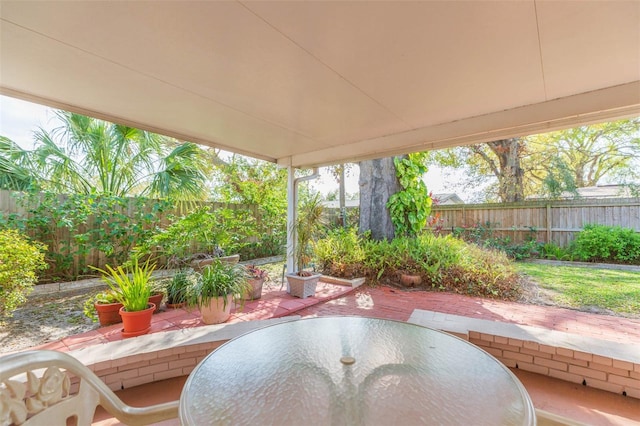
352,371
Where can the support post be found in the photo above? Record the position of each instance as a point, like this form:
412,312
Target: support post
292,212
292,203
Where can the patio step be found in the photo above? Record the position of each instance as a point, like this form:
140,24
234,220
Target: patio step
601,364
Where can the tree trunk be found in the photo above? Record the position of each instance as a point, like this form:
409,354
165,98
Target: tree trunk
510,179
378,182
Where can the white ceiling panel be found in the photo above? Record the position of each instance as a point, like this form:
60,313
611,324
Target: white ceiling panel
315,82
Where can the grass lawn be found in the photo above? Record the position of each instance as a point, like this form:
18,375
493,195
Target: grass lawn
576,287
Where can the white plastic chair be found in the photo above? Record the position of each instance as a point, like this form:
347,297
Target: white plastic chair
30,400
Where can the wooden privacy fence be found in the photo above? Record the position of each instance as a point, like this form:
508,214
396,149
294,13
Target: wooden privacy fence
72,244
546,221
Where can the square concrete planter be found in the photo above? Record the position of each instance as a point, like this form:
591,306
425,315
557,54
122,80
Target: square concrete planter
303,287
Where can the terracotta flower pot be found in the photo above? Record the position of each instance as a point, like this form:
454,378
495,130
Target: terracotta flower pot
256,289
108,313
156,299
136,323
216,311
175,305
409,280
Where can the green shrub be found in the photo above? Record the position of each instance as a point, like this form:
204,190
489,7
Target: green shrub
73,226
554,252
483,235
601,243
340,253
20,259
444,263
221,231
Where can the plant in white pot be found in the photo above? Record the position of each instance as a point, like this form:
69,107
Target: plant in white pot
131,286
218,285
309,223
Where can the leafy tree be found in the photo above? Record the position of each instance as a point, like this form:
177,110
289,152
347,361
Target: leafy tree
86,155
505,164
558,181
497,166
339,172
255,182
249,181
591,152
549,164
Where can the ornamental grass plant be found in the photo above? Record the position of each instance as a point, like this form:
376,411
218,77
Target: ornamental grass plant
218,280
443,262
131,284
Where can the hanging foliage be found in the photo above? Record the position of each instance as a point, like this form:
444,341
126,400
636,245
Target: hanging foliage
410,207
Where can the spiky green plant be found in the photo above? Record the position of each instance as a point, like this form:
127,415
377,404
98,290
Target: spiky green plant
219,279
131,284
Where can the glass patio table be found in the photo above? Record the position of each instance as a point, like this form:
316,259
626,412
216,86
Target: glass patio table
352,371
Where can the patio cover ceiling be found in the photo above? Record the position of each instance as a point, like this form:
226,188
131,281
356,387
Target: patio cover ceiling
315,83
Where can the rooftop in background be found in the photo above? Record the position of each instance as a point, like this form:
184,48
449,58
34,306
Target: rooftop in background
594,192
602,191
446,199
316,83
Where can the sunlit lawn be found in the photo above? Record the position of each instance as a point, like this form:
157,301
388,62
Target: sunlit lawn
576,287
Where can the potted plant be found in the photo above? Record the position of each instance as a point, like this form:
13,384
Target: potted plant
103,307
177,288
302,283
157,294
132,287
219,284
256,278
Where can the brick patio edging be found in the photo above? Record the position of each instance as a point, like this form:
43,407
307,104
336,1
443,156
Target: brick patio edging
601,364
136,361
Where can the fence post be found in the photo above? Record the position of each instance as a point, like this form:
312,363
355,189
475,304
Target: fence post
548,223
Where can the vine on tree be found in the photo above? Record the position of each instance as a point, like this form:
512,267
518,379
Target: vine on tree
410,207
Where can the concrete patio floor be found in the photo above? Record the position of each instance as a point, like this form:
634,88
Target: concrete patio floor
587,405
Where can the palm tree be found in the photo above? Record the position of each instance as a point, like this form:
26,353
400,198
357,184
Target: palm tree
15,172
87,155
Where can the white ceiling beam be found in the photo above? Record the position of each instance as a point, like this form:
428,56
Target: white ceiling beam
586,108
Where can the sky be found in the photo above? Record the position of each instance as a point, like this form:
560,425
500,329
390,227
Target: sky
19,119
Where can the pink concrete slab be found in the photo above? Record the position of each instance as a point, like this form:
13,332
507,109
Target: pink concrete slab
171,313
264,312
114,335
280,312
310,301
292,305
51,346
190,322
109,329
161,325
87,343
79,338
